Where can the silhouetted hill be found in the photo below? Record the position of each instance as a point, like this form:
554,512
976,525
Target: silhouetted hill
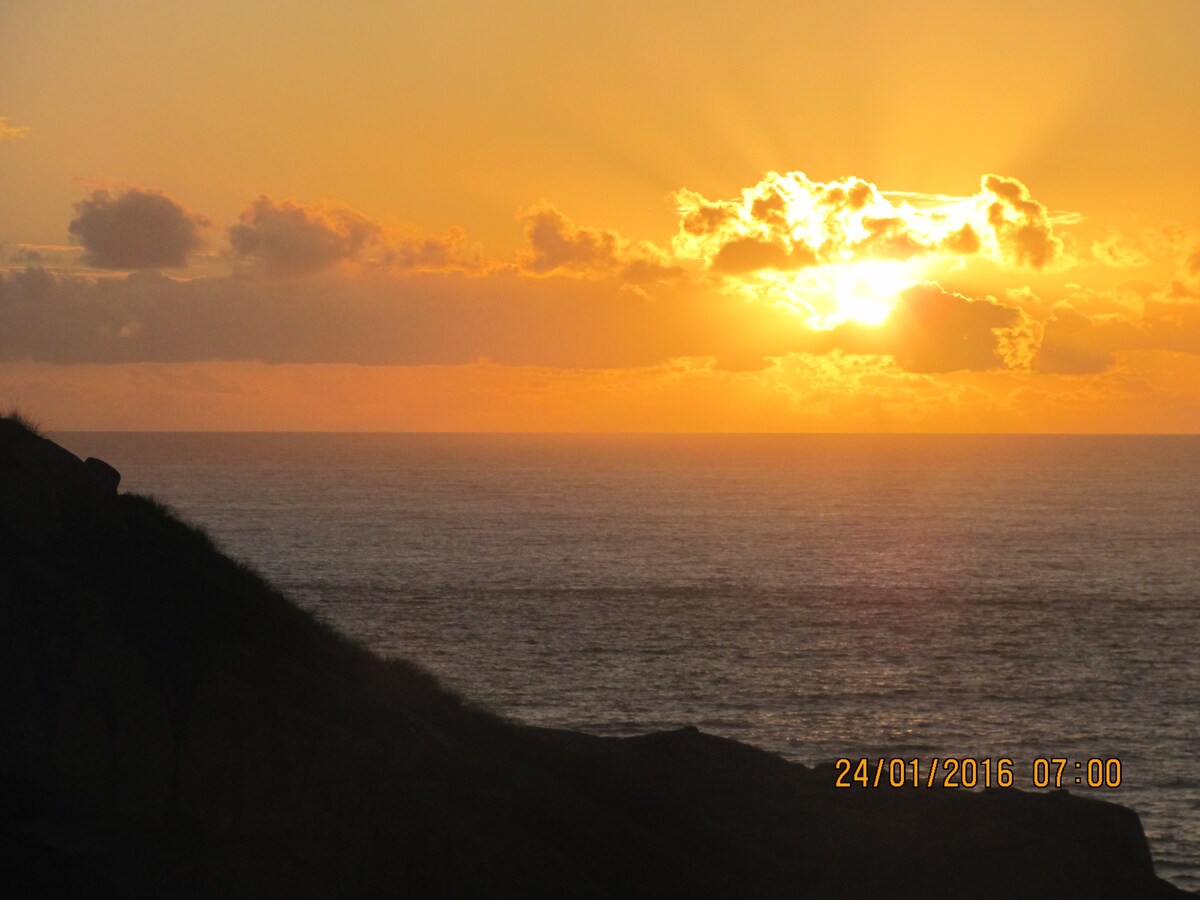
173,726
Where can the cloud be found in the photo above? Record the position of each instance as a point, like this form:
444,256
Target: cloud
136,229
749,254
795,267
378,316
932,330
388,317
1186,283
1020,224
435,254
12,132
290,239
555,244
788,221
286,238
1119,251
1075,343
1072,345
1192,264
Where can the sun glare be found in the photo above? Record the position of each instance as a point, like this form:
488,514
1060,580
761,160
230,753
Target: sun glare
863,291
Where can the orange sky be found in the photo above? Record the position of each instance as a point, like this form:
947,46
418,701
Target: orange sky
601,216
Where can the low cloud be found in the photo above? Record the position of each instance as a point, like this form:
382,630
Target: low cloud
449,253
286,238
555,244
452,318
1075,343
377,317
136,229
290,239
388,317
933,330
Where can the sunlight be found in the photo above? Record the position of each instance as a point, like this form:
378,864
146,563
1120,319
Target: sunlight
864,291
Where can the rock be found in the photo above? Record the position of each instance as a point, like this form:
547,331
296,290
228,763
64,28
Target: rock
43,485
102,478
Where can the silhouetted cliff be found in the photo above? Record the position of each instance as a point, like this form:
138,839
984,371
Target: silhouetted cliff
173,726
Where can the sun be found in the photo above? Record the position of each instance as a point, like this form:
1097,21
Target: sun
863,291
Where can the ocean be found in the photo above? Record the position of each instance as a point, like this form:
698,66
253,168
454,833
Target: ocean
820,596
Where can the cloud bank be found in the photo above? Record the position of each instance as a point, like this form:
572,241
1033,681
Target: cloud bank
324,284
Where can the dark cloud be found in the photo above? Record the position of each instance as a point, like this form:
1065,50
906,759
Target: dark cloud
932,330
136,229
435,254
937,331
1192,264
286,238
1187,283
751,254
31,286
376,317
455,317
1072,345
418,309
555,244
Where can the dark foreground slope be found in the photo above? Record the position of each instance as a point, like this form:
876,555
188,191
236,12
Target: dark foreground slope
172,726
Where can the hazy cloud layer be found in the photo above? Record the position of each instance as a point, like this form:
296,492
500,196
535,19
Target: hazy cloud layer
136,229
1075,343
1119,251
455,318
807,392
12,132
422,318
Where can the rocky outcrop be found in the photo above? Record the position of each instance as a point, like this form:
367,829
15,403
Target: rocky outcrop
172,726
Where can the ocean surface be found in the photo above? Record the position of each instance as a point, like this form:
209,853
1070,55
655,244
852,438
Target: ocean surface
819,596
